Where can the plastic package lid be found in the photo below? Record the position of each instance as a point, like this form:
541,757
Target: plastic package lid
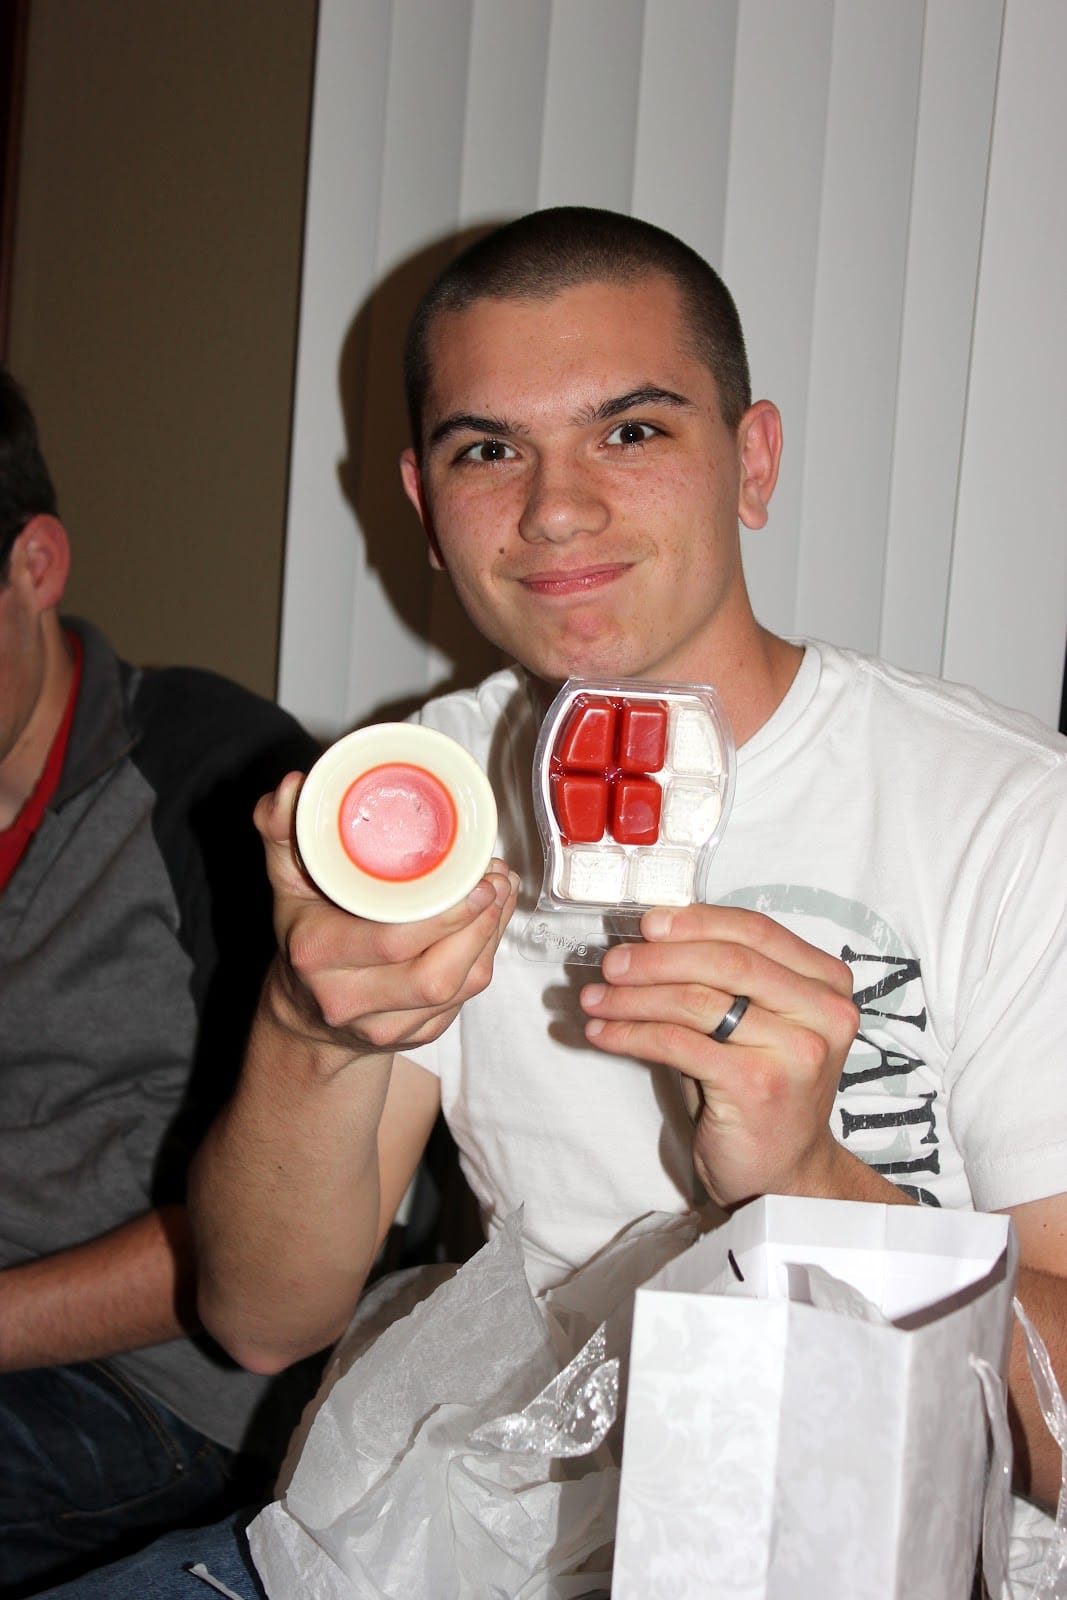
633,781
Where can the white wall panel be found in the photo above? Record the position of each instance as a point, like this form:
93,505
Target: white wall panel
594,66
956,99
777,152
685,102
1008,595
424,127
870,137
324,566
882,185
505,108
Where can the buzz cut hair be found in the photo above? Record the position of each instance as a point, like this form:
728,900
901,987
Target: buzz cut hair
537,256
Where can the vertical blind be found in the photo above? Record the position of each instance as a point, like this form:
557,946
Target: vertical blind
881,186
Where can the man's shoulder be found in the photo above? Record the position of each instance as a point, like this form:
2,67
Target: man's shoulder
193,727
206,705
472,716
940,707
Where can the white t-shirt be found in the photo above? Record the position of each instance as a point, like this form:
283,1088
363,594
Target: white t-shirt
906,825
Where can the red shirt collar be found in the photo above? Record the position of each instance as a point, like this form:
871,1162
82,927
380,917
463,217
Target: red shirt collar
15,839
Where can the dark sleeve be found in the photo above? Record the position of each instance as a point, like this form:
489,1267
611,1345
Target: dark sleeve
209,749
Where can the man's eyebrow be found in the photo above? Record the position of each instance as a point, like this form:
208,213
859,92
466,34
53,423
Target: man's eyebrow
650,394
468,422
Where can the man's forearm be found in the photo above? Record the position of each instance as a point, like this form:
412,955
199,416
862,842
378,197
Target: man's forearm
285,1198
126,1289
290,1192
1038,1462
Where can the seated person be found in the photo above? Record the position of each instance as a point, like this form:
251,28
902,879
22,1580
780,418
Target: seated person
134,932
585,446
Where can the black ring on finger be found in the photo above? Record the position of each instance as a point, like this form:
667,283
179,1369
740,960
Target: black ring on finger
731,1019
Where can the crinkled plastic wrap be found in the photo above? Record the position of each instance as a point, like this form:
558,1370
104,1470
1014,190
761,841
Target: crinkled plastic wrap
460,1455
570,1417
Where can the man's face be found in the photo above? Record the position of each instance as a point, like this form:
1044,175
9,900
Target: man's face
580,487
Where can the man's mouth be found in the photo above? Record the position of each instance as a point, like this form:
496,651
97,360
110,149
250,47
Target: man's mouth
566,581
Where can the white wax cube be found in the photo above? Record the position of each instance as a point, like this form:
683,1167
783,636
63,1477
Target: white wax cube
690,812
662,877
693,745
594,874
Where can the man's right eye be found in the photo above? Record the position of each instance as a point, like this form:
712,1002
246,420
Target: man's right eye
487,450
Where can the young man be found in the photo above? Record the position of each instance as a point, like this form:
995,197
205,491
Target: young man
585,448
134,932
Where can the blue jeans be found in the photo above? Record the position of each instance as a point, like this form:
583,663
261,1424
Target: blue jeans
90,1468
162,1571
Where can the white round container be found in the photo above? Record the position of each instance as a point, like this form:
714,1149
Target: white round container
396,822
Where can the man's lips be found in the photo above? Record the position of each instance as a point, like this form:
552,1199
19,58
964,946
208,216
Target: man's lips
574,580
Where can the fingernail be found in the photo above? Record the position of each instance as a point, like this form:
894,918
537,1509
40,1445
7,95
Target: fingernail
657,924
483,894
593,994
616,962
514,880
501,889
592,1029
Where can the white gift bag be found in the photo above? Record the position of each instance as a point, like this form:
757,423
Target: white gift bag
804,1416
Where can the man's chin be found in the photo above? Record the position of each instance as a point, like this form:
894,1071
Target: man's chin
554,670
547,666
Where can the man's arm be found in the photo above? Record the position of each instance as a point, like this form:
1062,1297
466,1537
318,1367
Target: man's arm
1042,1290
297,1182
761,1102
126,1289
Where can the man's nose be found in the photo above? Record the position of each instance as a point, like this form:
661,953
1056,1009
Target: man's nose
563,503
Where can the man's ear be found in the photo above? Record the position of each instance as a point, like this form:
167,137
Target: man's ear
760,439
40,562
411,477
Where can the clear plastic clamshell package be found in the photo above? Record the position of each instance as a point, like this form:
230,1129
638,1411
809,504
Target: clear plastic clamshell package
633,782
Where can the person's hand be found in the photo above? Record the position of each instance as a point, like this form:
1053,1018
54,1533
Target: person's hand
761,1101
371,987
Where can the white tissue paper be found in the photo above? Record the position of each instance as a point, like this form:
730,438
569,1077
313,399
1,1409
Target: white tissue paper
452,1457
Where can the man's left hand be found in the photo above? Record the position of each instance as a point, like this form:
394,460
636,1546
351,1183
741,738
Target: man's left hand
761,1101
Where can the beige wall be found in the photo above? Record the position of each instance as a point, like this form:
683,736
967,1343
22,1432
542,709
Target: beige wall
154,307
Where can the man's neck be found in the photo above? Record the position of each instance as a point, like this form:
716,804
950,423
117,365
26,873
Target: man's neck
753,685
26,760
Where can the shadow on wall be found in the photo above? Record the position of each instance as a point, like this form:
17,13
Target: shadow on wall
376,431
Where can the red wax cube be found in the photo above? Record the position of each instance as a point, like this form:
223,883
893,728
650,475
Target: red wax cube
582,807
588,740
635,808
643,736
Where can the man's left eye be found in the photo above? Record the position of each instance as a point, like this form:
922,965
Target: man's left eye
631,433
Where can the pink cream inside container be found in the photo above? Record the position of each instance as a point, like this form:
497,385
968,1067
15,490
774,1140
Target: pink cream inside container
396,822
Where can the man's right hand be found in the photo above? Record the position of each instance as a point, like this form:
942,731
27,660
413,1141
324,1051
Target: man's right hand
299,1178
370,987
